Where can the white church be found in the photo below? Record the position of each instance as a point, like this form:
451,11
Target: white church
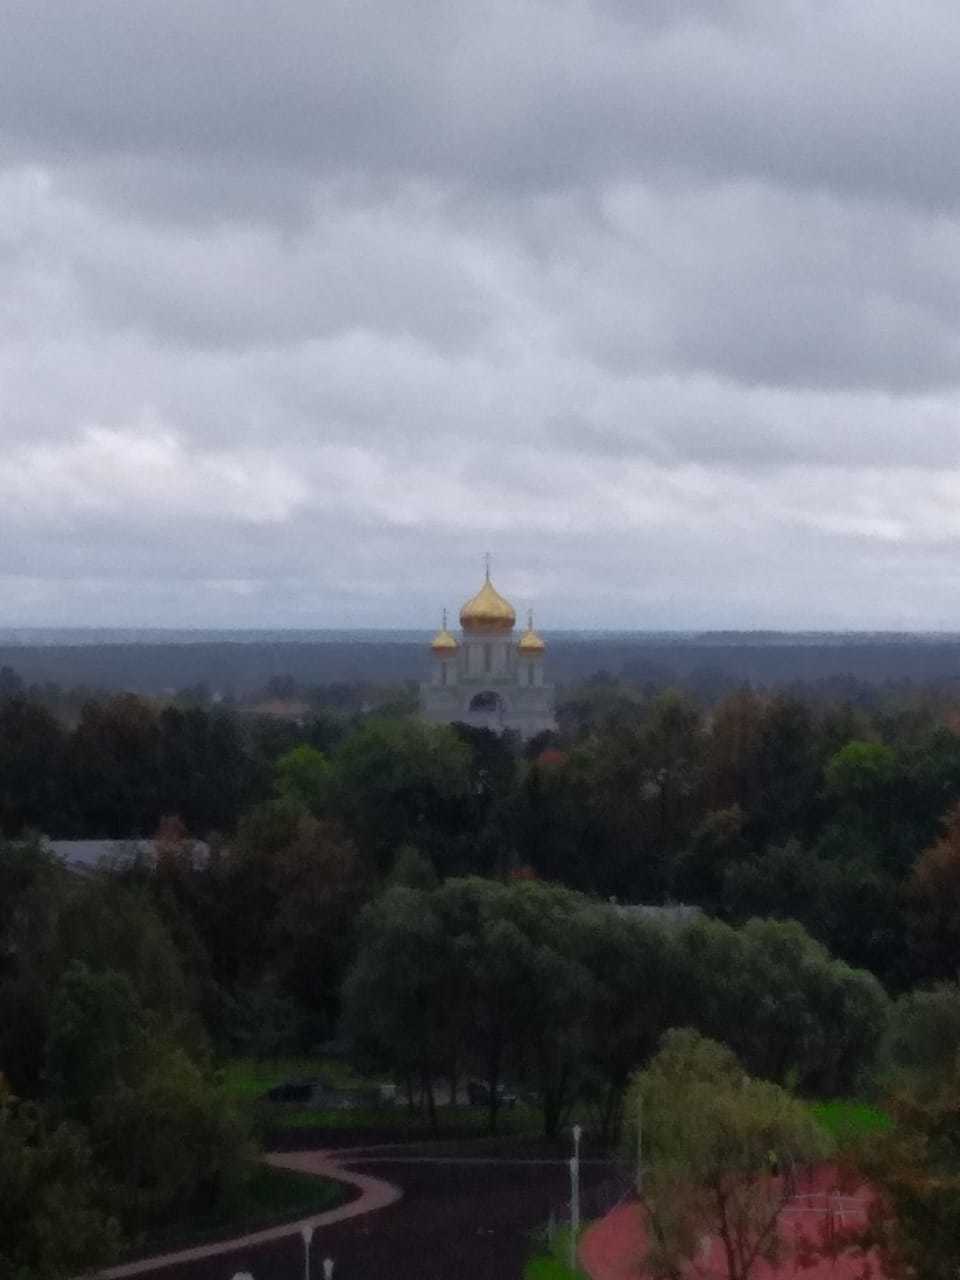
487,677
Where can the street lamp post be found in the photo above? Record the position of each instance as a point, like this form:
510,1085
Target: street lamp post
639,1143
307,1233
575,1196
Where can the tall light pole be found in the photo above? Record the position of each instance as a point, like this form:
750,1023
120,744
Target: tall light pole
307,1232
639,1142
575,1197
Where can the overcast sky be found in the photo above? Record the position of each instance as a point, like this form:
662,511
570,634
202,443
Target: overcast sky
305,305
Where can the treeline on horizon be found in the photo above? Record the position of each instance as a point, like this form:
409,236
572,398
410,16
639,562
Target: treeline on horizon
709,665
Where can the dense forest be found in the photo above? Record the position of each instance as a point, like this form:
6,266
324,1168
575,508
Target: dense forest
755,804
438,902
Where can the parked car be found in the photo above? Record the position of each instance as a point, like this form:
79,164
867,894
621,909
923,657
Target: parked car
298,1091
478,1095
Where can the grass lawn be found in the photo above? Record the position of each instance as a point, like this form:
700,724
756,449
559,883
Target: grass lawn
282,1193
849,1121
546,1268
397,1120
273,1196
553,1262
245,1079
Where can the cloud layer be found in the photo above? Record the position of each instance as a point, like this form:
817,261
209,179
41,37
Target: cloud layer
303,307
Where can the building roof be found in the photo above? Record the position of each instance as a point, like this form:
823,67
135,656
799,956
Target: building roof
669,913
88,855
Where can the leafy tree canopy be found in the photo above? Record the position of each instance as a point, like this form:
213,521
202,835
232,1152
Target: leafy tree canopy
722,1154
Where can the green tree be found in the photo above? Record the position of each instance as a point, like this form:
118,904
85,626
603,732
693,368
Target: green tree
933,904
34,887
476,976
112,924
640,782
205,769
776,996
716,844
113,754
723,1151
394,995
635,967
303,776
397,782
789,767
861,773
171,1143
412,869
915,1166
282,922
553,824
321,883
921,1045
52,1224
34,791
97,1038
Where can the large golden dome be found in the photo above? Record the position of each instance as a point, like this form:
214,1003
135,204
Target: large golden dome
487,611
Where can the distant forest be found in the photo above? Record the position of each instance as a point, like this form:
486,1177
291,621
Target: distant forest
709,665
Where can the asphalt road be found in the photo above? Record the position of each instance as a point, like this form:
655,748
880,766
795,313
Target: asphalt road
458,1220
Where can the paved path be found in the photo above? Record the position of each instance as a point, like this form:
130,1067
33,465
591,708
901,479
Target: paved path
468,1219
374,1194
556,1162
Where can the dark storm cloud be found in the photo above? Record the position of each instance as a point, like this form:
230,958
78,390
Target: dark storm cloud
304,306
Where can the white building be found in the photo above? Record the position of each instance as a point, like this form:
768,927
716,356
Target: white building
488,678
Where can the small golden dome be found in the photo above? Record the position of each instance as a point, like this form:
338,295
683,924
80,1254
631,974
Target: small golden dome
530,643
487,611
443,642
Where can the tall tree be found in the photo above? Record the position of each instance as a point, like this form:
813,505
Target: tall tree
33,782
915,1221
724,1153
52,1224
933,903
396,782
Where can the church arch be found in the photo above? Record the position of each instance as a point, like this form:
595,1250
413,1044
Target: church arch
488,702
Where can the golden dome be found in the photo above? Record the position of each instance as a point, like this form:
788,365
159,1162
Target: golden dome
530,642
487,611
443,642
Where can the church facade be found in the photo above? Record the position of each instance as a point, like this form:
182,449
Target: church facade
487,676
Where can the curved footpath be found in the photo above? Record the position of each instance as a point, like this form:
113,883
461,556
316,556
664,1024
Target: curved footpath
374,1194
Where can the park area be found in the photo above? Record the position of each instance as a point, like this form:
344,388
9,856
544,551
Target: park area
469,1216
466,1206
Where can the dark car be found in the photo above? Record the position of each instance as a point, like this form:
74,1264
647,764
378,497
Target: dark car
300,1091
478,1095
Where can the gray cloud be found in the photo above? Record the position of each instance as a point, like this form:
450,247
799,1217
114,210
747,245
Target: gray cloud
536,95
302,308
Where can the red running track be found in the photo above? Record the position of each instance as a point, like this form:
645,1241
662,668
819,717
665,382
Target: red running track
614,1247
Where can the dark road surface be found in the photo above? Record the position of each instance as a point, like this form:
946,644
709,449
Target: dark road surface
456,1221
